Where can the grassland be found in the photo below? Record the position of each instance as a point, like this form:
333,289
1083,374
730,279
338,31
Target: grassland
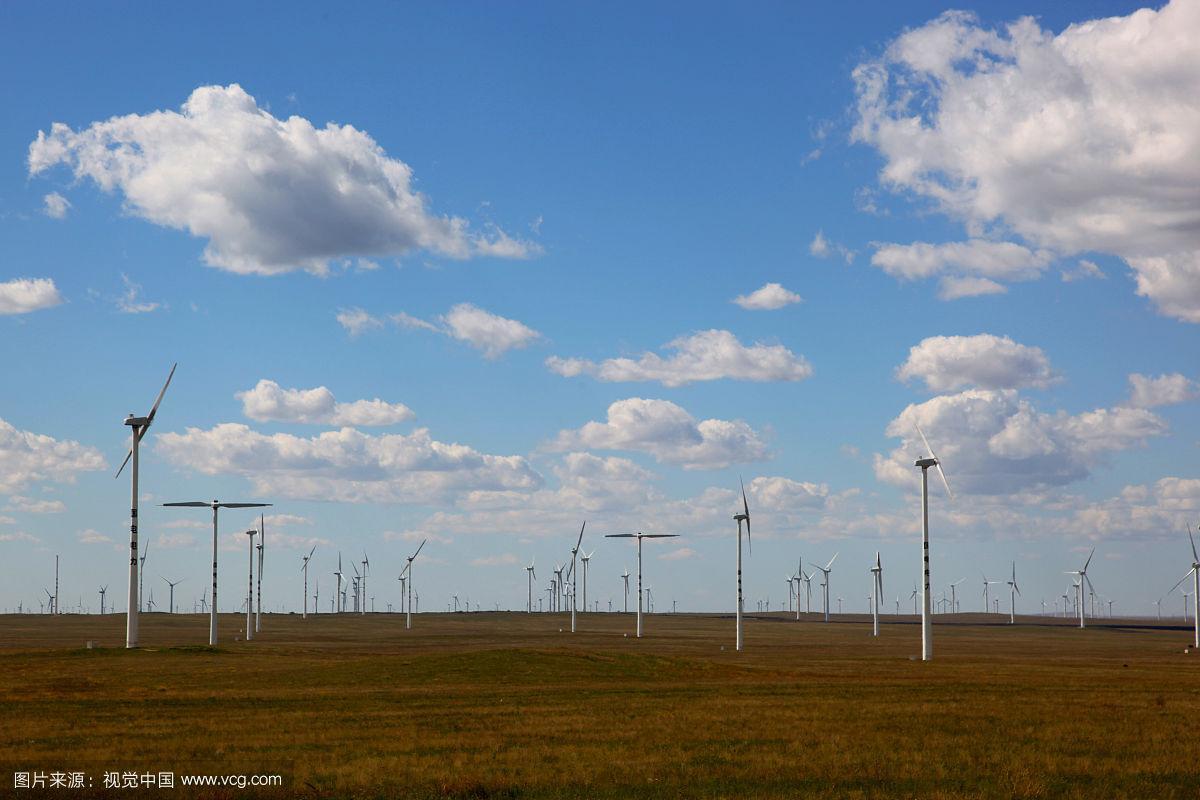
506,705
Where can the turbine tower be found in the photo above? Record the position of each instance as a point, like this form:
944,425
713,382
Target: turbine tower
825,570
250,534
639,536
926,617
337,598
585,558
216,506
262,541
171,601
571,572
530,574
138,426
1083,578
625,575
876,591
1194,573
740,518
1013,591
103,591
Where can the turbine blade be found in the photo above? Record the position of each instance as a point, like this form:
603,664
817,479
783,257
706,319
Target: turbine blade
1186,575
1195,558
1089,560
154,408
190,504
830,564
423,541
242,505
128,456
580,540
945,482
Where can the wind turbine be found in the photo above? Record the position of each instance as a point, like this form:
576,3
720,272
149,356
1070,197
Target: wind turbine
366,562
103,591
585,558
530,574
338,595
876,591
216,506
913,597
1194,572
825,570
304,569
574,553
142,573
171,601
316,592
926,618
987,602
138,426
625,575
250,534
639,536
1013,591
1083,578
953,595
262,541
407,572
740,518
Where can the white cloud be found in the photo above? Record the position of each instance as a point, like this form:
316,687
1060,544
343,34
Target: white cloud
356,321
18,536
679,554
28,505
27,458
55,206
268,401
1164,390
505,560
823,248
994,442
491,333
966,269
173,541
22,295
1088,140
91,536
128,302
669,433
947,363
704,356
1084,270
345,465
269,195
768,298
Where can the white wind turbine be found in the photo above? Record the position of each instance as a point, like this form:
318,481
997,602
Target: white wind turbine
987,602
625,575
926,617
338,596
407,572
142,573
138,426
170,602
639,536
1194,574
571,572
876,591
262,541
1083,578
304,569
825,570
585,558
740,518
216,506
531,575
250,534
366,562
103,591
954,595
1013,591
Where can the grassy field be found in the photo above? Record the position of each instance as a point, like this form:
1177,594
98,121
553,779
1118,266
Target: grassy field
506,705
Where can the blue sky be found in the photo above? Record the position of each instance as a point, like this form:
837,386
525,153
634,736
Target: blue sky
982,240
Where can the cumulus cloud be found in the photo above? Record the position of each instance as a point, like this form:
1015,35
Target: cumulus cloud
55,206
947,363
29,505
269,402
128,302
823,248
678,554
993,442
270,195
18,536
965,269
1084,270
345,465
27,458
22,295
483,330
90,536
768,298
1164,390
669,433
705,356
1088,140
504,560
356,321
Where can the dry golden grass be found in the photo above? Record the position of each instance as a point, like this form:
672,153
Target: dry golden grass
486,704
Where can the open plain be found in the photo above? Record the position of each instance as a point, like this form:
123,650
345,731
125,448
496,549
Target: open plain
506,705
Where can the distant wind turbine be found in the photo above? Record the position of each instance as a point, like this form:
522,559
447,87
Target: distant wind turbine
926,616
740,518
639,536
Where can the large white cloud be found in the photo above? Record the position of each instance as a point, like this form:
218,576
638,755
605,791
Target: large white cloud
947,363
27,458
705,356
22,295
270,195
268,401
346,465
1088,140
669,433
995,442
